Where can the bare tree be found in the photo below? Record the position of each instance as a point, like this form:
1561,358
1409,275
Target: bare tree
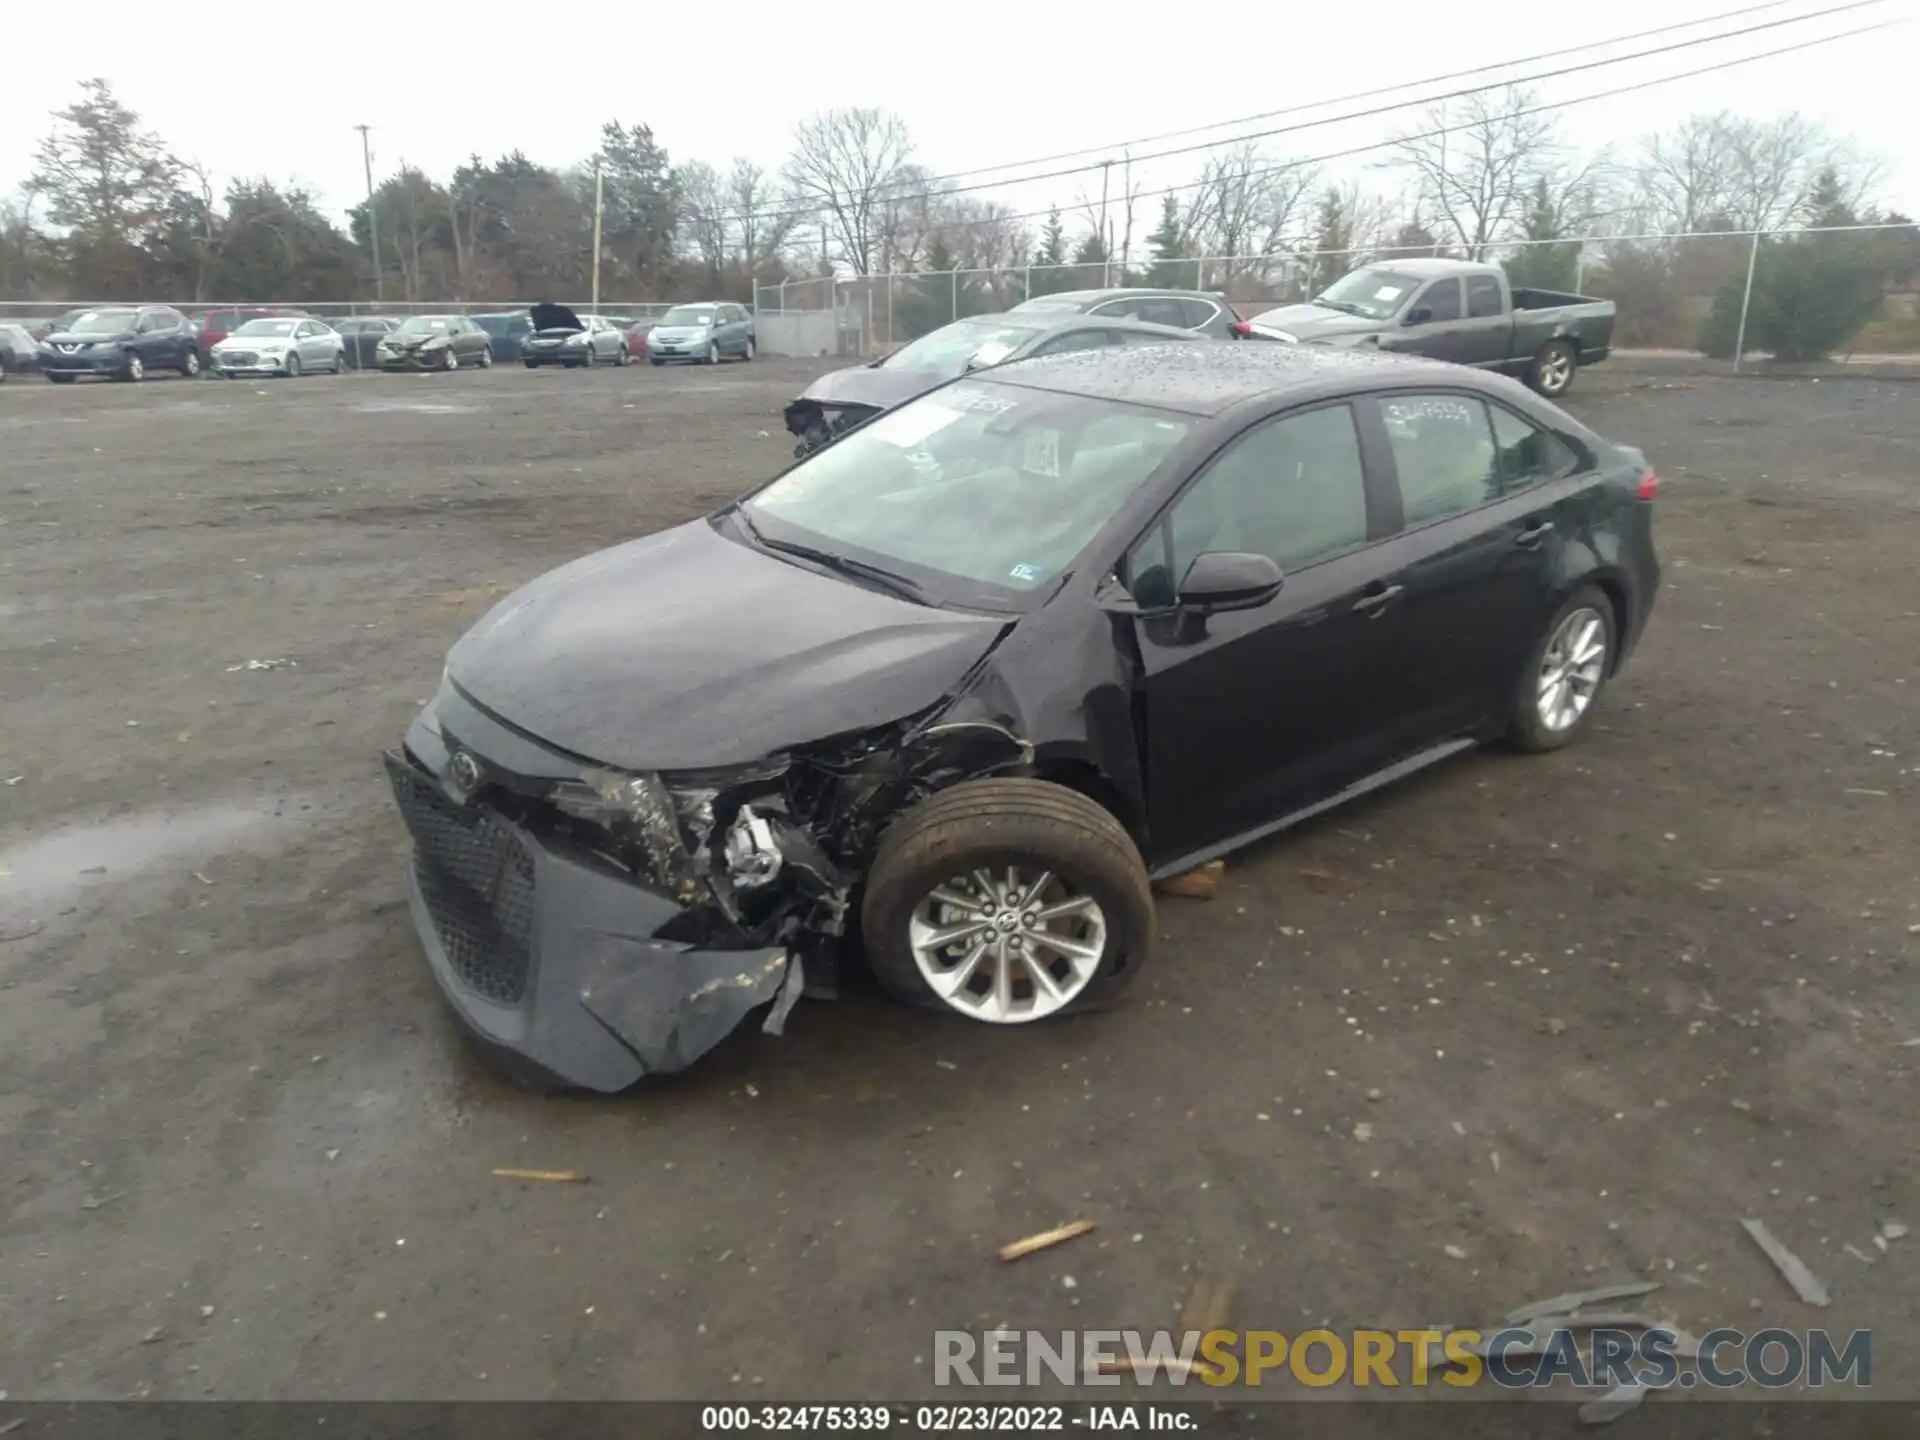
762,227
1474,160
703,213
1249,208
847,162
1724,171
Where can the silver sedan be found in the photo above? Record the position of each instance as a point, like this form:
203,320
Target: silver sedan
280,345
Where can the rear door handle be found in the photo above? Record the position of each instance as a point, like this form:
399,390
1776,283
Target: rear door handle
1374,602
1531,538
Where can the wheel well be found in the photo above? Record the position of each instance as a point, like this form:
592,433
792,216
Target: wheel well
1078,775
1617,598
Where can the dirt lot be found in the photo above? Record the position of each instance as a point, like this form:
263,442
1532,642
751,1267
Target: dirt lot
1593,1007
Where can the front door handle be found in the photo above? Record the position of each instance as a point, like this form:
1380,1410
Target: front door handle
1530,538
1374,602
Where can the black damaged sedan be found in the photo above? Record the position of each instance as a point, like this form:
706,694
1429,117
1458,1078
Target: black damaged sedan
960,683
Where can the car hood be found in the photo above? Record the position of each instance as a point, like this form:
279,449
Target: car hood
554,317
679,332
68,337
865,385
1317,322
411,342
251,342
686,650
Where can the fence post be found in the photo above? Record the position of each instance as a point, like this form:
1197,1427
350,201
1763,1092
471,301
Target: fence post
953,294
1746,303
1026,283
1580,268
889,307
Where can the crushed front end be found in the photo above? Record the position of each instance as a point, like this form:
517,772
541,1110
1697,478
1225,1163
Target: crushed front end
597,926
815,422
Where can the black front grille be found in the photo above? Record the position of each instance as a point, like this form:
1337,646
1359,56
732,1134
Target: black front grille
477,879
240,357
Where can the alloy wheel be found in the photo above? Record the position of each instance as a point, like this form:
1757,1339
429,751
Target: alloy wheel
1571,669
1007,945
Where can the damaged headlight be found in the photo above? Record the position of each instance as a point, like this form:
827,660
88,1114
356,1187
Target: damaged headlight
638,808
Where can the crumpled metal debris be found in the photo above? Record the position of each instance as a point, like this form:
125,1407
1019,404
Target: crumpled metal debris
670,1005
1566,1304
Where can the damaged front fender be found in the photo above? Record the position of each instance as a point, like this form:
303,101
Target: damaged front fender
670,1005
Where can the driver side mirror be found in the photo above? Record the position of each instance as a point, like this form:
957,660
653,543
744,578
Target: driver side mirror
1220,580
1419,315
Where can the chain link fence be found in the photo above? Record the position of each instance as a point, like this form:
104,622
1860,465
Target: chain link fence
1790,295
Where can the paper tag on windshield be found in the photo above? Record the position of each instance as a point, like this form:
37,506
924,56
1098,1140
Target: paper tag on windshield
1043,454
991,353
908,427
1388,293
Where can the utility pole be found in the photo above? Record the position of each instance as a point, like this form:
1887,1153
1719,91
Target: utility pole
1106,233
373,216
599,193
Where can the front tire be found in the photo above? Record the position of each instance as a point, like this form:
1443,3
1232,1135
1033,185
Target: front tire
293,366
59,379
1007,901
135,369
1559,690
713,352
1553,369
452,361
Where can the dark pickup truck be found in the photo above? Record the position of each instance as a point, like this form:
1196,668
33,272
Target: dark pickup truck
1456,310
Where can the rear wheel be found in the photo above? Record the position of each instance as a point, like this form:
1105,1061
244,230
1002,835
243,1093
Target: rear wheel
190,363
1007,901
1554,704
486,359
747,354
1553,368
625,356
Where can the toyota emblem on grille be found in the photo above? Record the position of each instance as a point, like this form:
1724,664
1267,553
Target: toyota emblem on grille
464,771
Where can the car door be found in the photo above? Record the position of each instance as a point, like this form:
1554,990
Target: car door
736,330
313,355
151,341
1487,332
1433,324
1480,492
1251,715
471,340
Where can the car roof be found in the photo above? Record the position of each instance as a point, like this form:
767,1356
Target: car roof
1209,378
1429,266
1118,292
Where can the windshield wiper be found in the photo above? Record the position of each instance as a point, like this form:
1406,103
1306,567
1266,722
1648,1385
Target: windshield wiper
844,564
1340,305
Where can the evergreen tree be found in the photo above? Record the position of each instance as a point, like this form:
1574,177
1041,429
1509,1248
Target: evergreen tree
1171,269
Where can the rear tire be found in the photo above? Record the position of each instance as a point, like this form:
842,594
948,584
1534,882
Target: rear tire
1552,371
486,359
988,826
190,364
746,356
1540,719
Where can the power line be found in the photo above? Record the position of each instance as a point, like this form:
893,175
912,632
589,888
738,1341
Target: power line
932,189
1455,129
1108,149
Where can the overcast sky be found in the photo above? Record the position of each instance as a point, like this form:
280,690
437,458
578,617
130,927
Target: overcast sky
278,92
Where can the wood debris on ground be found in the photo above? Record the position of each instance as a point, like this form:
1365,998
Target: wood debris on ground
1319,878
1197,884
1791,1267
563,1177
1046,1239
1208,1306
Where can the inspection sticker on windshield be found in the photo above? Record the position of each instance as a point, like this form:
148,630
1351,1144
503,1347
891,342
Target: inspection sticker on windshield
1388,293
1042,455
907,428
1028,573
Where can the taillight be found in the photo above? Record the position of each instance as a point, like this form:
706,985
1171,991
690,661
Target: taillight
1243,328
1649,486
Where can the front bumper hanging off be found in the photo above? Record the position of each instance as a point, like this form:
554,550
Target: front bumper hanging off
554,958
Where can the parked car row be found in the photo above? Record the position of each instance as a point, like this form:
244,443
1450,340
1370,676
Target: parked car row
126,342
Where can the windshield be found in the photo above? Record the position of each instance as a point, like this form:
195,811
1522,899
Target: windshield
1376,294
688,315
104,322
425,325
994,485
947,350
267,327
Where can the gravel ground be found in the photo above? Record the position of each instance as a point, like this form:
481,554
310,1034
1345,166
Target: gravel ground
1586,1010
